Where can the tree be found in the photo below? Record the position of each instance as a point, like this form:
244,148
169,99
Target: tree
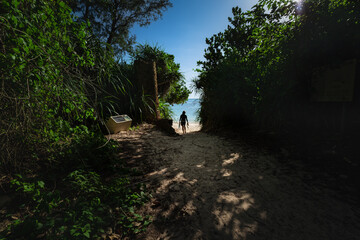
171,84
245,65
258,70
42,90
112,20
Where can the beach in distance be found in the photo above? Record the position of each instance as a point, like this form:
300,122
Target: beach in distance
191,107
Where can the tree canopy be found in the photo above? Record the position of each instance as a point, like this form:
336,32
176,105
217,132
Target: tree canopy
112,20
57,84
171,84
258,69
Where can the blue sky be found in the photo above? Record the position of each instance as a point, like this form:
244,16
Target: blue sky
183,29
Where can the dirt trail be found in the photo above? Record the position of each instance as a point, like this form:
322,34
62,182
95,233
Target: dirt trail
206,187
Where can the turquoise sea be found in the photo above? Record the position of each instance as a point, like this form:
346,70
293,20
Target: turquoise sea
191,108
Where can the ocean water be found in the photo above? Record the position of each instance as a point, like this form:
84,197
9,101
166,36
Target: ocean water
191,108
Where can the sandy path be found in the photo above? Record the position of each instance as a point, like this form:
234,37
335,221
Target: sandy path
205,187
193,127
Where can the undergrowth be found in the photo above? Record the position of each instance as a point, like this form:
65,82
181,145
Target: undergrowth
84,207
84,192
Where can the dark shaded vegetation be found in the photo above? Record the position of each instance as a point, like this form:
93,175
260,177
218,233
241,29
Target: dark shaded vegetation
259,70
257,81
259,73
59,84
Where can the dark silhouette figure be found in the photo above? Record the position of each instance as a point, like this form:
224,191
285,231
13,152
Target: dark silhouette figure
183,120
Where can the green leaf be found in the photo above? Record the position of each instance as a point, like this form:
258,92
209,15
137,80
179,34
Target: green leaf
15,3
73,231
87,234
41,184
39,225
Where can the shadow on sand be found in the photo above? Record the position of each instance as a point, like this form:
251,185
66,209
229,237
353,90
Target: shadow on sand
205,187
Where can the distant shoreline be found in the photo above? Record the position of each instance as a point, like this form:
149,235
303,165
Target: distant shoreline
191,107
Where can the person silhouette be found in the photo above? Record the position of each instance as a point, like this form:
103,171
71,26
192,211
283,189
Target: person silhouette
183,120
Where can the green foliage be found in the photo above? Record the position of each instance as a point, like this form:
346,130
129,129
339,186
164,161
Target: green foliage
165,110
57,81
87,149
82,212
111,21
178,93
134,128
116,94
39,100
257,70
171,84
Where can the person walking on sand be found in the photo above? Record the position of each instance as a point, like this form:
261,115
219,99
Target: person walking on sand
183,119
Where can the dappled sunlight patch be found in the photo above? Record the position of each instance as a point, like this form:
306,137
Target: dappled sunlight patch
192,182
233,158
235,198
226,172
263,215
246,205
241,230
160,172
201,165
198,234
223,219
238,229
167,213
172,183
180,177
189,208
229,217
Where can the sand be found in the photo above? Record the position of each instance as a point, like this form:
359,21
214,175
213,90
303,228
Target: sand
207,187
193,127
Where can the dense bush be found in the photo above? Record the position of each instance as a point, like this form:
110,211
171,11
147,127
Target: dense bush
258,70
84,209
58,82
42,92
